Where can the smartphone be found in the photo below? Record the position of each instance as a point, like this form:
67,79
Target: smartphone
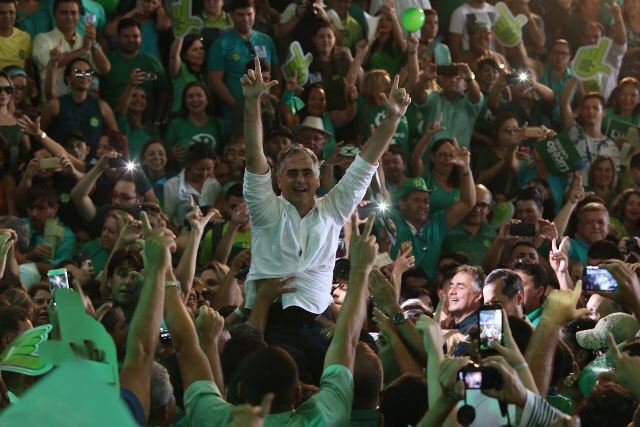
490,325
477,377
365,210
534,132
90,19
165,336
58,279
599,279
523,149
517,78
524,229
447,70
49,163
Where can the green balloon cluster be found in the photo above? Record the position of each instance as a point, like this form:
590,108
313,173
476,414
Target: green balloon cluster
412,19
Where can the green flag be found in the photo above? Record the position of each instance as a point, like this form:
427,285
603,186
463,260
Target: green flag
560,155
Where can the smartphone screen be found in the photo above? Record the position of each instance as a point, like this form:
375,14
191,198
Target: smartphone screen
522,229
472,379
490,325
165,336
599,279
58,279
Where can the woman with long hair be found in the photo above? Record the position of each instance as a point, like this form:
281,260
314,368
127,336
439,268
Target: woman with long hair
623,108
99,249
154,166
196,120
625,214
388,48
131,114
186,65
17,143
603,179
631,60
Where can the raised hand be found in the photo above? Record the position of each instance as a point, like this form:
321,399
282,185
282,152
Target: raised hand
628,291
271,289
253,85
558,256
436,126
547,230
398,100
32,127
363,249
461,157
7,241
137,77
507,28
251,416
509,350
512,390
197,221
240,215
627,368
383,292
158,244
560,306
452,386
209,325
589,60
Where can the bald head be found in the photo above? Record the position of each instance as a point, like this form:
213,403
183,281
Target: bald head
482,208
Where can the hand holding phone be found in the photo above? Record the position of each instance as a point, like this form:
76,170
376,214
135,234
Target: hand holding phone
490,325
58,279
599,279
476,377
524,229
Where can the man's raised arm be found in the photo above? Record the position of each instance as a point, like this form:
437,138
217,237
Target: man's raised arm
396,104
253,86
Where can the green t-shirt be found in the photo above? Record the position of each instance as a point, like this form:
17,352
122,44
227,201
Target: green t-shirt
99,255
37,22
426,242
578,251
351,33
535,316
440,199
373,115
390,60
241,240
116,81
182,132
136,137
459,239
179,82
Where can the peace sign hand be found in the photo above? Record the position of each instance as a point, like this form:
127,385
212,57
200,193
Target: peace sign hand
363,249
253,86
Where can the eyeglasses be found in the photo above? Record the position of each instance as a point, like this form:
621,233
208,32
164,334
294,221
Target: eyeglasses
6,89
82,73
121,196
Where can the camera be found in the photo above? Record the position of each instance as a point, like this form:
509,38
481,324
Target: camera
476,377
524,229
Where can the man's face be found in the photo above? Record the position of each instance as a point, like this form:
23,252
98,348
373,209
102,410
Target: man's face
312,139
414,207
236,155
243,19
66,16
234,203
41,301
487,75
430,27
527,211
525,254
129,40
109,233
340,6
593,226
297,180
124,285
480,41
482,208
560,55
393,166
274,145
463,298
635,174
492,294
7,15
591,35
39,212
453,85
532,295
591,112
124,196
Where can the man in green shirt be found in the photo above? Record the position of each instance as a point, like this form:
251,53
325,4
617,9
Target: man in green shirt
535,281
473,235
351,32
426,232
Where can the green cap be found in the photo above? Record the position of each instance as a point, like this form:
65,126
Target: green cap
411,184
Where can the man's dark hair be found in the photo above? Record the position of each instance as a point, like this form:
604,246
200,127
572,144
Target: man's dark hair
488,62
136,178
530,193
404,401
604,249
235,190
239,4
127,23
511,282
41,193
199,151
57,3
536,271
523,243
269,370
367,378
397,151
129,254
476,274
608,404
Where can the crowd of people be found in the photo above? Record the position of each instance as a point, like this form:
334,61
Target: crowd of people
412,228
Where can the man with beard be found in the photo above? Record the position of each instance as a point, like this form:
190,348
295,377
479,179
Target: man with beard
473,235
128,59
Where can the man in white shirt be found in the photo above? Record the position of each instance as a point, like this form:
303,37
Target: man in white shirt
463,18
295,234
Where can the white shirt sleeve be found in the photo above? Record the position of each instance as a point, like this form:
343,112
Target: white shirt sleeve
615,55
171,197
261,201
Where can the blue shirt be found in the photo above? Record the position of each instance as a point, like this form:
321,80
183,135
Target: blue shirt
65,249
231,52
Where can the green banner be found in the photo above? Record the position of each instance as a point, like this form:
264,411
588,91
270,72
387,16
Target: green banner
617,129
560,155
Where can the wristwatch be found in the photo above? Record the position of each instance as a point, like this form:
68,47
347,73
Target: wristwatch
398,318
472,76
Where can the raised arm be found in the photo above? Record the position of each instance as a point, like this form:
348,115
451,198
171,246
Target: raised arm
619,29
174,56
458,210
80,192
135,374
396,104
362,253
253,86
566,114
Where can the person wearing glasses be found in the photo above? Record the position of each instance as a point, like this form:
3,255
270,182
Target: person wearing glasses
18,143
15,44
473,235
65,44
78,111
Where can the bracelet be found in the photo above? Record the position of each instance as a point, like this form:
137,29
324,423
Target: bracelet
520,366
171,284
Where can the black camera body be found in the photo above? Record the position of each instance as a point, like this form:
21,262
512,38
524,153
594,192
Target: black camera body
476,377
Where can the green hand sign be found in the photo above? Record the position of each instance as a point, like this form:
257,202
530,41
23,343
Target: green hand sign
298,63
182,21
589,60
23,355
507,28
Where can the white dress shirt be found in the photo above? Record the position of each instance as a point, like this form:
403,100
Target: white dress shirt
285,245
176,197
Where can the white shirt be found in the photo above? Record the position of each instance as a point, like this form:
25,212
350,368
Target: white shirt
465,16
609,81
176,197
590,148
285,245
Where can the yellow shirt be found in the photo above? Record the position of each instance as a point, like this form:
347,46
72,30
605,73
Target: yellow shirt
15,49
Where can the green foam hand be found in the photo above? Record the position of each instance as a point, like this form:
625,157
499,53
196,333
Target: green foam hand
589,60
182,21
298,63
507,28
23,354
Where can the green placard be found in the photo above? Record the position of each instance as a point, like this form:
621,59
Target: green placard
508,28
297,63
590,60
560,155
182,21
23,354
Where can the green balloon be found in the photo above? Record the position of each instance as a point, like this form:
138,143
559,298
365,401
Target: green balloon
412,19
108,5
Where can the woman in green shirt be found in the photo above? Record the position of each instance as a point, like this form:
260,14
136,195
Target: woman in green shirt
388,49
196,123
623,110
186,61
131,115
442,176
